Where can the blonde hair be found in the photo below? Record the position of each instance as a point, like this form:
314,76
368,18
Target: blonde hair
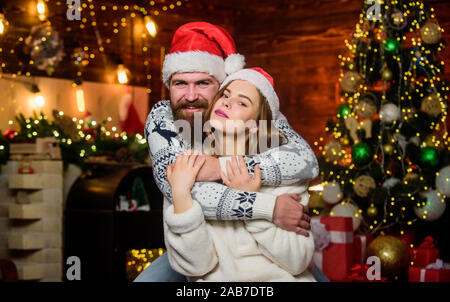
267,133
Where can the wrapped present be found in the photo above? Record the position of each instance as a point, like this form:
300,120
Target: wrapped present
333,238
425,254
358,273
433,272
360,243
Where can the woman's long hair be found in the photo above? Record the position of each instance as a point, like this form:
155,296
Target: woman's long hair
263,133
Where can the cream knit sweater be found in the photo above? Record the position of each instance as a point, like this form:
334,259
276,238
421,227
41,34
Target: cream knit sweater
237,251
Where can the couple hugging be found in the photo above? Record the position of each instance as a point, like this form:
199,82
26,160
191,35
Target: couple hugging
228,216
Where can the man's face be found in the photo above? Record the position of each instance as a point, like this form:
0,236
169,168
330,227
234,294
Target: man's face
191,92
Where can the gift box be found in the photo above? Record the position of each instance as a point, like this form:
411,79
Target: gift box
425,254
333,238
360,244
434,272
359,273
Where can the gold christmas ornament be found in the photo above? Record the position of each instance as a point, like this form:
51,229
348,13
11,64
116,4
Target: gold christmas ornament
351,81
392,252
430,33
372,211
334,151
316,201
388,148
363,184
366,108
410,176
434,141
432,105
386,75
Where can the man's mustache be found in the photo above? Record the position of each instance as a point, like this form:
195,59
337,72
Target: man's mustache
187,104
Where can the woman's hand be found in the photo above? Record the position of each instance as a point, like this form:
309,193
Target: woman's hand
181,176
238,177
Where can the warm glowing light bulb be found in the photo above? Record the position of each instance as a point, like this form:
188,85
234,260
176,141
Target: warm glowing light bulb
80,100
41,9
318,187
150,25
3,24
122,74
39,100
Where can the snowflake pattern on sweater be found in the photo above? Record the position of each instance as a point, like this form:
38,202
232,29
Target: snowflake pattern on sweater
284,165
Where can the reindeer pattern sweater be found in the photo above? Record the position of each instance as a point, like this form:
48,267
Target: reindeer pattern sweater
288,164
237,251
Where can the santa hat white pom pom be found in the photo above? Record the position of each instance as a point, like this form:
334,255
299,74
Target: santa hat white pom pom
234,62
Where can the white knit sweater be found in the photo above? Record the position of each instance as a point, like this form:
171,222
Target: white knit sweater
236,251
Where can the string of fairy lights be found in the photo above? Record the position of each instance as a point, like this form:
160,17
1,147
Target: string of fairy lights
351,119
123,17
88,12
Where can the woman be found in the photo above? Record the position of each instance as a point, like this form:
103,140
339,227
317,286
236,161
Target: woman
246,250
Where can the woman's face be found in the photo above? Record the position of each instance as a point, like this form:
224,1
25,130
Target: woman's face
239,103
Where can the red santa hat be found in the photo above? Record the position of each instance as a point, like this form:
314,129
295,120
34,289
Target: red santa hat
262,81
202,47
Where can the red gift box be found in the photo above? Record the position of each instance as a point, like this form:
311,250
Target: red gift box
425,254
358,273
435,272
360,243
334,246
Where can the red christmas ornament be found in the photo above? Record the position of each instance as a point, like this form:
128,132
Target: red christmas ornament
408,41
378,159
379,35
381,85
25,170
10,134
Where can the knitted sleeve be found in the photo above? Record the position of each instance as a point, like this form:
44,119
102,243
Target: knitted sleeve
217,201
190,249
286,164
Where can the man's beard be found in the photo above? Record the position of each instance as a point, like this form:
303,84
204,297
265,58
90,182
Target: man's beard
180,114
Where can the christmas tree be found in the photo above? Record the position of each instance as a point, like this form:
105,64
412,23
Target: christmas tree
385,159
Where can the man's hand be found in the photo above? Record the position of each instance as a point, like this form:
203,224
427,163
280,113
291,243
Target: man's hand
210,171
290,215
